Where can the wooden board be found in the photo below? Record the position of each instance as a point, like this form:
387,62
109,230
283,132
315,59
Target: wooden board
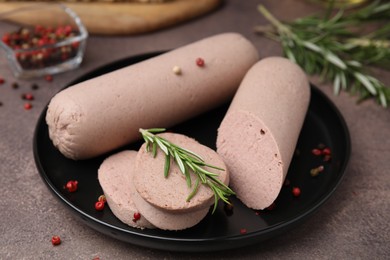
130,18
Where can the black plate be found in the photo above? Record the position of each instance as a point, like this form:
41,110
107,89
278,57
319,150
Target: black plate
323,124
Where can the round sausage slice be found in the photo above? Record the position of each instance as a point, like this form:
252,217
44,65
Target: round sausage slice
171,193
258,135
104,113
164,219
115,175
162,201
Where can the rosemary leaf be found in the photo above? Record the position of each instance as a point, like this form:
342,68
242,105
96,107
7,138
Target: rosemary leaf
179,162
194,190
154,149
167,165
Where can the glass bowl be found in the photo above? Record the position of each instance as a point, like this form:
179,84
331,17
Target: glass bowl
42,39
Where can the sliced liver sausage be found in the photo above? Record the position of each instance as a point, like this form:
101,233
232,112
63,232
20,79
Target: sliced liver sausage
104,113
171,193
162,201
258,135
115,176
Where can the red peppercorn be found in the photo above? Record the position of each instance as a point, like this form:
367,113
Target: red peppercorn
296,191
6,38
136,216
49,78
1,81
71,186
243,231
27,106
56,240
68,29
99,205
326,151
316,152
200,62
27,96
41,42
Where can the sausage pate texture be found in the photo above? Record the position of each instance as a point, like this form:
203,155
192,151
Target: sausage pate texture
258,135
171,193
163,201
104,113
115,176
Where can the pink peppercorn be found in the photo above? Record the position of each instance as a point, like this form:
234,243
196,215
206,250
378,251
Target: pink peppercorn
27,106
49,78
200,62
296,191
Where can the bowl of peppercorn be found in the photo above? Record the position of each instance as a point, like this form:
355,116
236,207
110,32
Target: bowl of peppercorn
42,39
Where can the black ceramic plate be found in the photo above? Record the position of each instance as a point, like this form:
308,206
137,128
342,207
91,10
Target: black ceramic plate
323,124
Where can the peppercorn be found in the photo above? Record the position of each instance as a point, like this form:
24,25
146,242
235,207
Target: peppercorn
99,205
316,152
34,86
71,186
25,42
296,191
27,106
326,151
49,78
56,240
199,62
176,70
15,85
2,81
27,96
102,198
136,216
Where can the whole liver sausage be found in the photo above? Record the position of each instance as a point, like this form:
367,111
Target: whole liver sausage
104,113
115,176
258,135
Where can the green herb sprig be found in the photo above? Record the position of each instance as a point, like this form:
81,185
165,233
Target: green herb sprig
331,47
187,160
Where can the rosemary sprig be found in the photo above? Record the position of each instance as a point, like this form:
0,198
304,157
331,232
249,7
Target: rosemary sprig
187,161
328,46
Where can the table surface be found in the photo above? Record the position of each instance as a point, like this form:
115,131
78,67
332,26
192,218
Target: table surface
353,224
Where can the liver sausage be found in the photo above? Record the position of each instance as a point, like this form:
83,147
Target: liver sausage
162,201
115,175
104,113
258,135
171,193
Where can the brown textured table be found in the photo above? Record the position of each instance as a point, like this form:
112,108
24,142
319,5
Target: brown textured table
353,224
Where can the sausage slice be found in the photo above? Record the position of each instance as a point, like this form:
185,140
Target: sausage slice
163,201
115,175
